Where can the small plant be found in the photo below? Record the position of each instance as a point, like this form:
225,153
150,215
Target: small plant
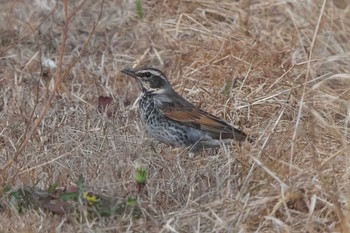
140,177
139,8
91,199
68,200
20,199
226,89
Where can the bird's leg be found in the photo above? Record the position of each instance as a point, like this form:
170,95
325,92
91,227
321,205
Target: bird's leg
195,148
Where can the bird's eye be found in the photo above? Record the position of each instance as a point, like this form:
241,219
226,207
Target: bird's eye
148,74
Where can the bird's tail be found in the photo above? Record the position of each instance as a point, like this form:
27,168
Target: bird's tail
240,136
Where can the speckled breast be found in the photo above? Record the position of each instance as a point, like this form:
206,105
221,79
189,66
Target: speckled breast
160,127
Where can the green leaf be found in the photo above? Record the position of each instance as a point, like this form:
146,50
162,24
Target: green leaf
139,8
226,89
141,175
132,201
52,187
69,196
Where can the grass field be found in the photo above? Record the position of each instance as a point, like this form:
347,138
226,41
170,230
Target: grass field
278,69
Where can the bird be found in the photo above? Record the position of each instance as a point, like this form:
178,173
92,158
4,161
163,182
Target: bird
173,120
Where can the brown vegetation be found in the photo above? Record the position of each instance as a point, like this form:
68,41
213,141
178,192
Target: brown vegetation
277,69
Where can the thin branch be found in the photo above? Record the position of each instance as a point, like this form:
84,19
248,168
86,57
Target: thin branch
60,74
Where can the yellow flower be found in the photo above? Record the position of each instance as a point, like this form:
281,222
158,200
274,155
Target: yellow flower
92,199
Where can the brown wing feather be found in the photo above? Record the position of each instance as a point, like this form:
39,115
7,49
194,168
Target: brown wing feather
176,108
199,119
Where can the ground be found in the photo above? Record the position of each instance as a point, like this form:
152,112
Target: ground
279,70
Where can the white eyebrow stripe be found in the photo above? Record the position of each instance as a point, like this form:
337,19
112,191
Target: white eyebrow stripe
154,72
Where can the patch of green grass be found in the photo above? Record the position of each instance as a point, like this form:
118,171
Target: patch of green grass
72,200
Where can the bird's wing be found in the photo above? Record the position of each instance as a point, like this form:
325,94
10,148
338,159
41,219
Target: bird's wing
177,108
197,118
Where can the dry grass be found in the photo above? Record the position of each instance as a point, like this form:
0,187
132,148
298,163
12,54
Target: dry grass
279,69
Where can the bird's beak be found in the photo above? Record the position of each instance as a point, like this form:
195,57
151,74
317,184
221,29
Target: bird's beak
130,72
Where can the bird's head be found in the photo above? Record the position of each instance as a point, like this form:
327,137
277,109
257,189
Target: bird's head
150,80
